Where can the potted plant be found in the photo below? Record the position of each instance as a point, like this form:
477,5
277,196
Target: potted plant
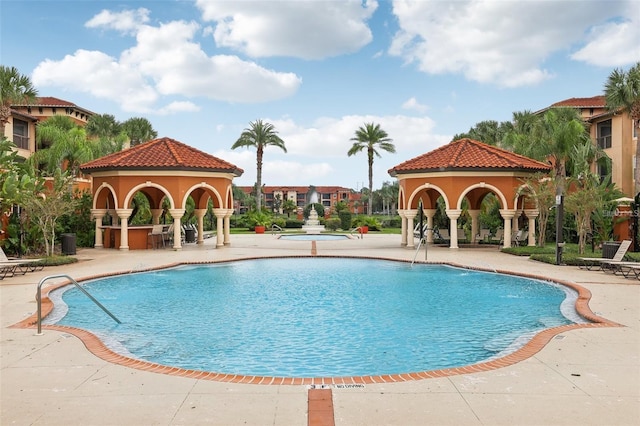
259,221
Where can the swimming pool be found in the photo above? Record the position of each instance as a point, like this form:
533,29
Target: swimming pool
317,317
315,237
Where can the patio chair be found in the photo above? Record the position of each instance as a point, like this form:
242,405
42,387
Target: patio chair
498,237
521,238
483,235
443,235
602,262
24,265
156,236
626,269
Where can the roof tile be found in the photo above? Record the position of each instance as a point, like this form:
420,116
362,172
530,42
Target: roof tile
164,154
468,154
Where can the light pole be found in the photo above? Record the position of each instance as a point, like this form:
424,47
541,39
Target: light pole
559,222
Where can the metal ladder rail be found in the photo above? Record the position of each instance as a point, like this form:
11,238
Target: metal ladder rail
359,228
274,227
74,282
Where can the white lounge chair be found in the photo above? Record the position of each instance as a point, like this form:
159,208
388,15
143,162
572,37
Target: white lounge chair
24,265
483,235
602,262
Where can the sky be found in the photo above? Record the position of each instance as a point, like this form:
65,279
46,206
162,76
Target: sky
201,71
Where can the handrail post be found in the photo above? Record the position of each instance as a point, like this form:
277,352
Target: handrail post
74,282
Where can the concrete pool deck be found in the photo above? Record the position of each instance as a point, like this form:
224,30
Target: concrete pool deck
581,377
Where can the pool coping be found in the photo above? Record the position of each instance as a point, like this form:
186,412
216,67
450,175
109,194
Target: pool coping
533,346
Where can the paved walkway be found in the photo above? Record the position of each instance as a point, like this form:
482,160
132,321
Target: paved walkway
581,377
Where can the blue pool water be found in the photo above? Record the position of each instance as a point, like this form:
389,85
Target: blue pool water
314,237
311,317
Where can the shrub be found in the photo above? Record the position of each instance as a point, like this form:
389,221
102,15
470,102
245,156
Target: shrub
293,224
333,224
345,219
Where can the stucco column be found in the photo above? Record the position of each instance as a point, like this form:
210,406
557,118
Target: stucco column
220,214
403,227
474,224
155,216
515,222
453,216
98,214
200,216
177,214
227,227
124,214
430,214
410,214
532,215
507,215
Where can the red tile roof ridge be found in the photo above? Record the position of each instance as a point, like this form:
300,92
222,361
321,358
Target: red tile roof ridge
161,153
468,154
598,101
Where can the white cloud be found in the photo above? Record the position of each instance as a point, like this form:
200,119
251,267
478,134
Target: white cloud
126,21
612,44
499,42
302,29
164,61
413,104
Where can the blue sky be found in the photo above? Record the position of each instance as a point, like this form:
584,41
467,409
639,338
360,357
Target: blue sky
201,71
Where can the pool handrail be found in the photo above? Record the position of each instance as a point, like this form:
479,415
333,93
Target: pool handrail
74,282
274,226
359,230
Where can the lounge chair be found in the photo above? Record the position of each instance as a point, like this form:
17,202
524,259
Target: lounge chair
7,269
24,265
602,262
625,268
416,230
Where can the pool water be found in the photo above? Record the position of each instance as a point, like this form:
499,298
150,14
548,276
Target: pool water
314,317
314,237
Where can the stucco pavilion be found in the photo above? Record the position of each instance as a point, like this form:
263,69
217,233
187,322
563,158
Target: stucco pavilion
160,169
466,169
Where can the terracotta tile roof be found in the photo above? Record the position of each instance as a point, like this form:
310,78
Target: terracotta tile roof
468,154
51,102
592,102
161,154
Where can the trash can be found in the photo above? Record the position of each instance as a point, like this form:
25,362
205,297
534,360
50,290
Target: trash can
190,235
609,249
68,243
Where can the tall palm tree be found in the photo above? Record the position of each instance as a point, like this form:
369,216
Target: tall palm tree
67,148
15,88
622,91
367,138
139,130
259,135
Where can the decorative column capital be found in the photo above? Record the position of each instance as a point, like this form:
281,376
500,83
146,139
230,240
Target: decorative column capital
453,213
124,213
532,213
507,214
177,213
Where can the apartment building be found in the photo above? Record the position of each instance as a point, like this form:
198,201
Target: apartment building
614,132
328,196
21,128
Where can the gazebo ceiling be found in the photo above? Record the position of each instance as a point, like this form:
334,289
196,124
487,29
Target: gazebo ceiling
161,154
468,155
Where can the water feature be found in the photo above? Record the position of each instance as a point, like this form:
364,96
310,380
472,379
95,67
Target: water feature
312,224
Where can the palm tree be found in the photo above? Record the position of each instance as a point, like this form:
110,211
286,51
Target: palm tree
259,134
67,148
622,91
139,130
15,88
103,126
368,137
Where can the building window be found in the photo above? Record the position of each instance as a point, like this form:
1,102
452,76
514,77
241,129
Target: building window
21,133
604,134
